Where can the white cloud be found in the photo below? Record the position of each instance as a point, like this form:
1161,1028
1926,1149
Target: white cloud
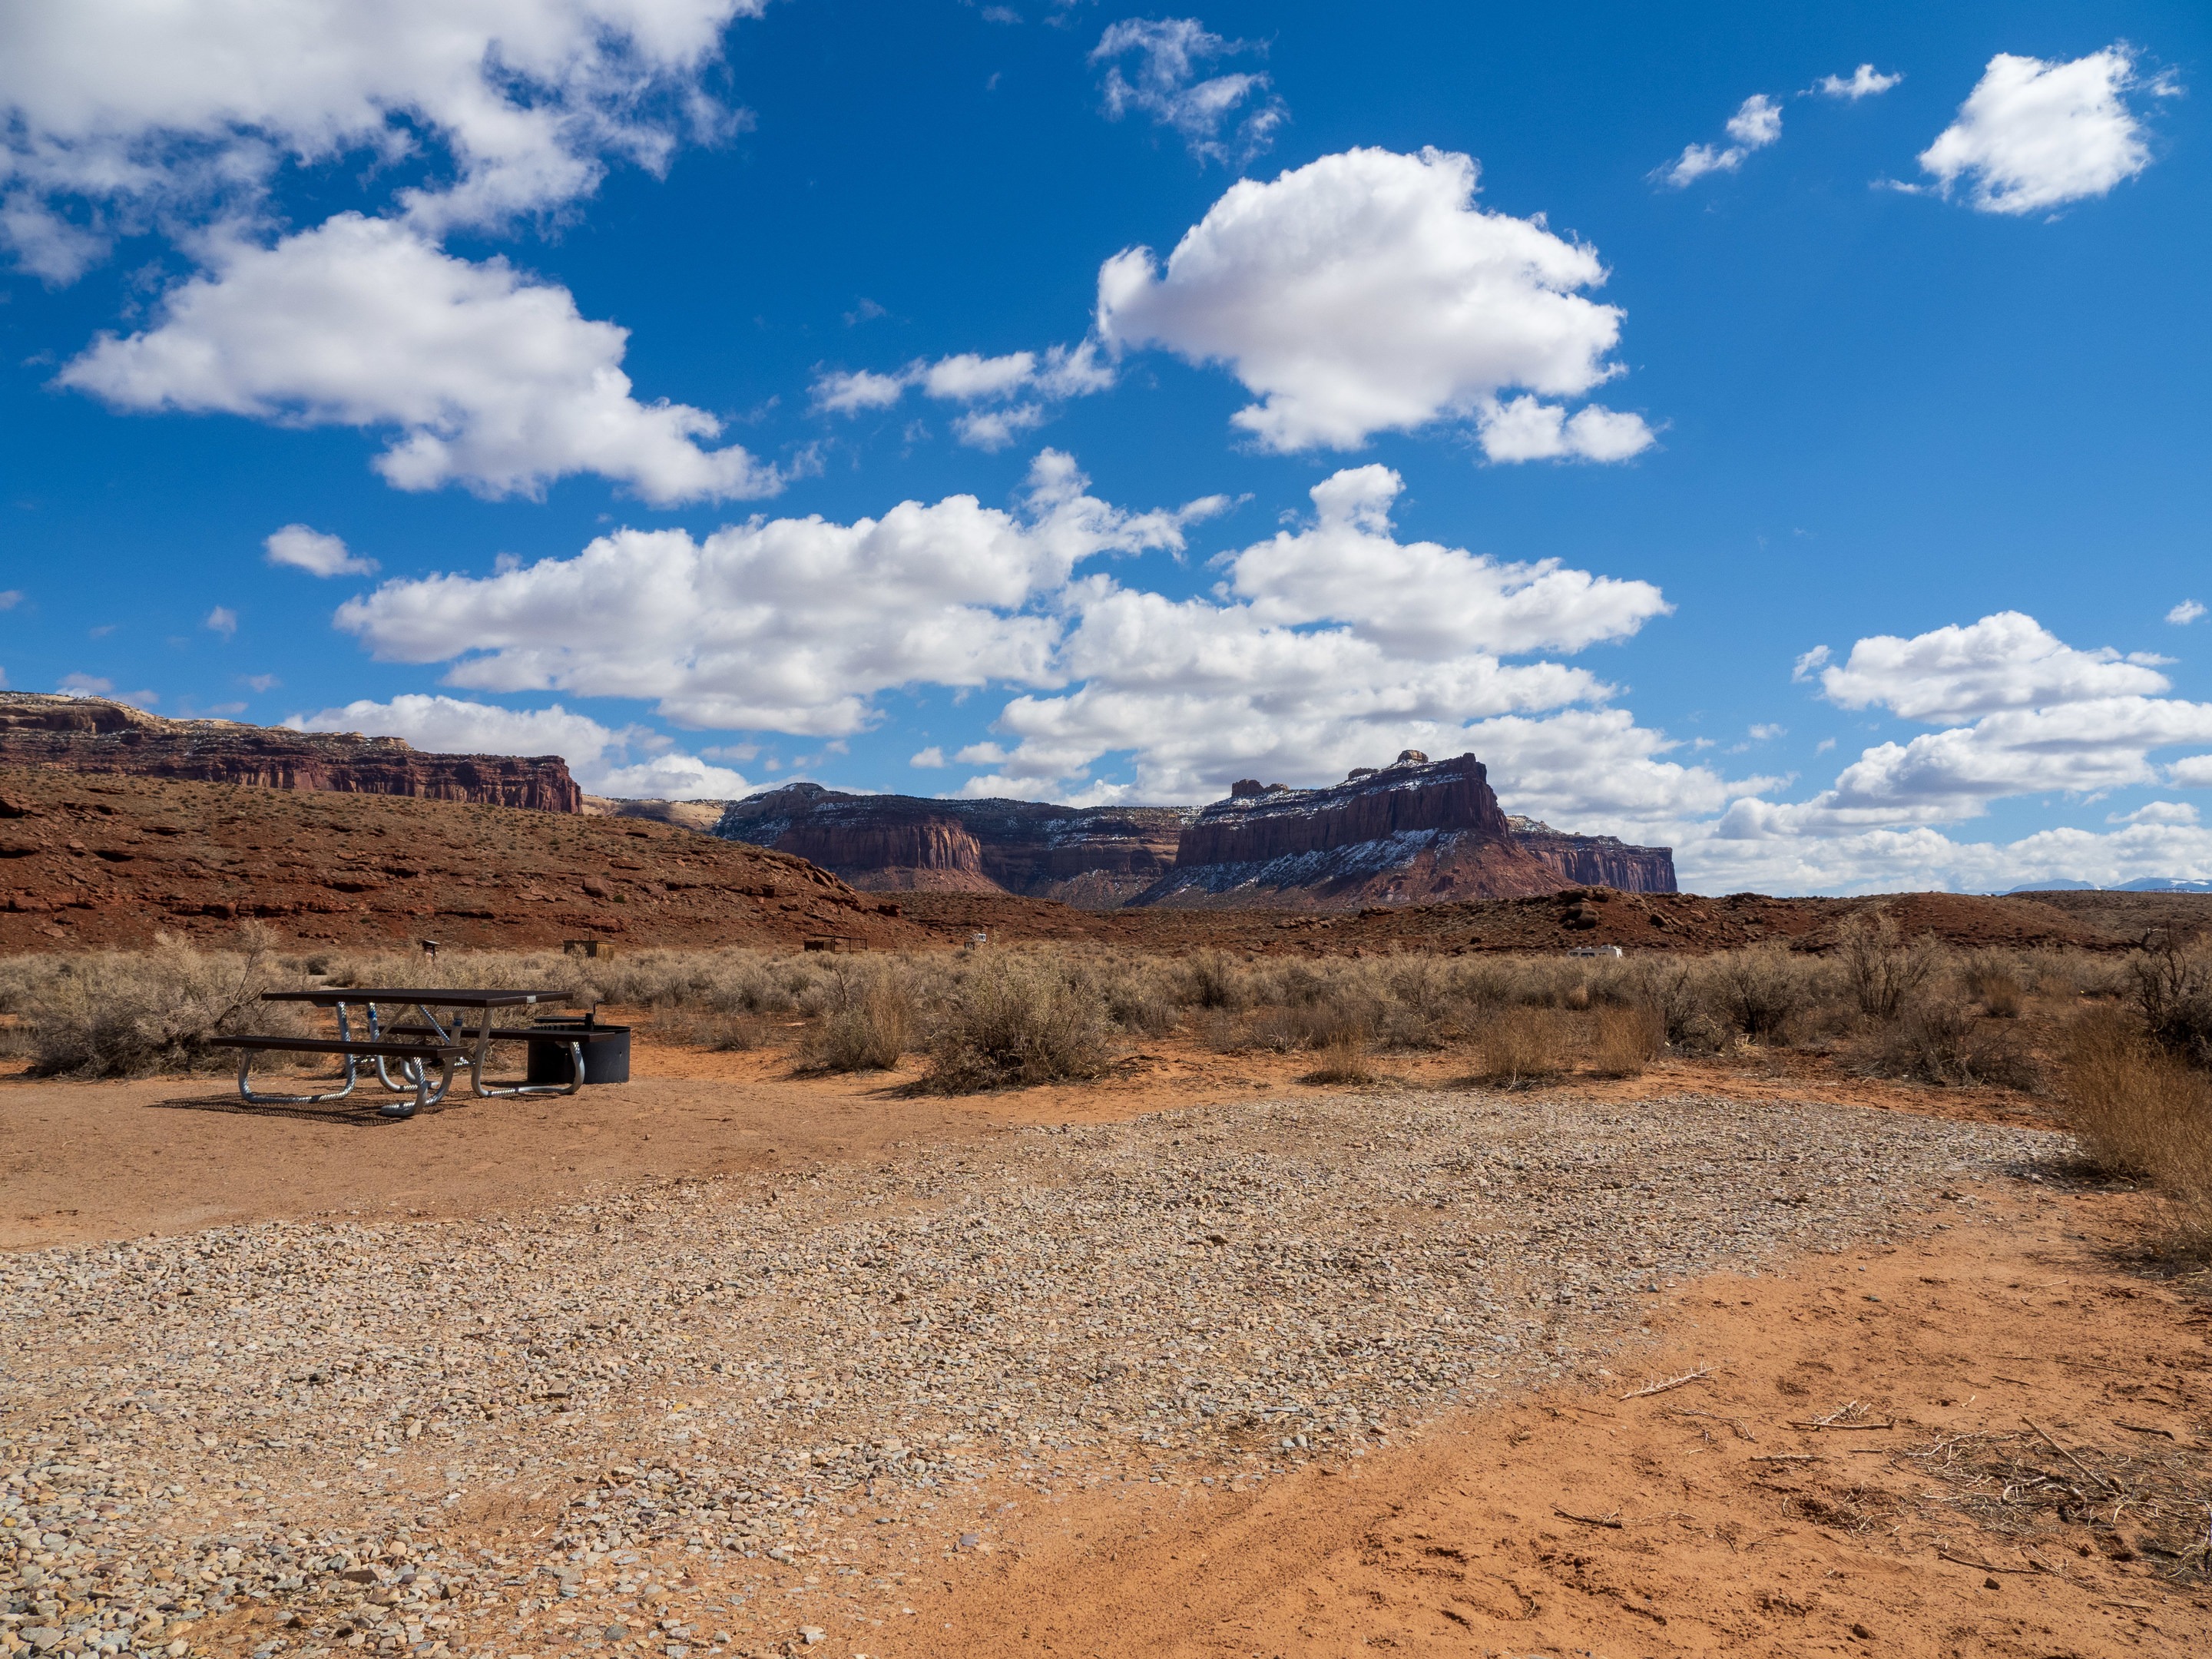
1865,82
305,549
1005,395
492,379
2156,811
1168,87
930,758
2033,136
1321,647
1527,429
598,757
123,112
1756,124
222,620
786,624
2191,772
1365,292
10,597
2185,613
2005,661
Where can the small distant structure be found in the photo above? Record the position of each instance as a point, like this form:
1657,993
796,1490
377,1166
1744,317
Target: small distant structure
1595,951
840,943
429,948
978,939
598,949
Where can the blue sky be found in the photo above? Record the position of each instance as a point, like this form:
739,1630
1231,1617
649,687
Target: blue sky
1859,422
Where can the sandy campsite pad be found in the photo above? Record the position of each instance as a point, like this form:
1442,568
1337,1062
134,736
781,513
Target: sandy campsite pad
1278,1370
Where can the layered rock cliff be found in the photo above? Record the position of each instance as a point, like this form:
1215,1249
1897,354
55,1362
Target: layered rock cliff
1415,832
92,734
1597,861
1096,857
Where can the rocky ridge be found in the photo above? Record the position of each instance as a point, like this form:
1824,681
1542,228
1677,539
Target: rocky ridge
1597,861
1417,831
1094,857
94,734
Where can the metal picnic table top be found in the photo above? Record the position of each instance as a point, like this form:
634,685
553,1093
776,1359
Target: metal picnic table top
330,996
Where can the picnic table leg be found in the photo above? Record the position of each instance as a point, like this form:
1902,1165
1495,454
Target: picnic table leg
245,1066
424,1094
485,1091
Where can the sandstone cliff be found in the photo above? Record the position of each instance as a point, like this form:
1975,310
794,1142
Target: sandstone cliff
1094,857
1415,832
1597,861
91,734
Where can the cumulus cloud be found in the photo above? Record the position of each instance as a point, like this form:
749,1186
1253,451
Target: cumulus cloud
221,620
1002,396
1756,124
2185,613
1320,647
1864,82
2005,661
301,548
631,760
120,112
1365,292
786,624
2033,134
490,379
1166,82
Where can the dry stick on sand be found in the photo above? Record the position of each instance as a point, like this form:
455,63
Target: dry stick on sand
1613,1521
1981,1567
1671,1383
2102,1479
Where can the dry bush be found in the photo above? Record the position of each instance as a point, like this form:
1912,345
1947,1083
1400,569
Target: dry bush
1018,1020
129,1014
1343,1060
1761,989
866,1021
1522,1045
2171,989
1938,1041
1883,972
1212,979
1997,980
2139,1110
1669,988
724,1033
1624,1040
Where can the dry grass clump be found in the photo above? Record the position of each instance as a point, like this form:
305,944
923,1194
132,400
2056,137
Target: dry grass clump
1016,1020
867,1021
1624,1040
1883,972
2138,1109
1344,1060
1523,1045
131,1013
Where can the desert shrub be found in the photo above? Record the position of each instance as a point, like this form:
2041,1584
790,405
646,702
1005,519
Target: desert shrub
1212,979
1669,988
1343,1061
121,1014
2139,1110
1311,1026
1997,980
1937,1040
1016,1020
1882,971
1624,1040
1760,990
1522,1045
724,1033
2172,990
865,1020
1140,995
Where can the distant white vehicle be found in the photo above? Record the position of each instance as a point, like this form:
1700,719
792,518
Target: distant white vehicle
1595,951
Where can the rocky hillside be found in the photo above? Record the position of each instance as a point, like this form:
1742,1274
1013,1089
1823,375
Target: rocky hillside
1094,857
1597,861
91,734
1417,831
89,860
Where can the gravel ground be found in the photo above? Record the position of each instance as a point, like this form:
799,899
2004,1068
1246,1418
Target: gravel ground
708,1418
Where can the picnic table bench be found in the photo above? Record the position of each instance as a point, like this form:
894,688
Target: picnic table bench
415,1044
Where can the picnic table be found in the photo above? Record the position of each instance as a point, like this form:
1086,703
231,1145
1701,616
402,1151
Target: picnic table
414,1045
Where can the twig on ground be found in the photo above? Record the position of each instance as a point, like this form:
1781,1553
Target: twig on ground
2143,1428
1982,1567
1671,1383
1612,1521
1789,1457
2102,1479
